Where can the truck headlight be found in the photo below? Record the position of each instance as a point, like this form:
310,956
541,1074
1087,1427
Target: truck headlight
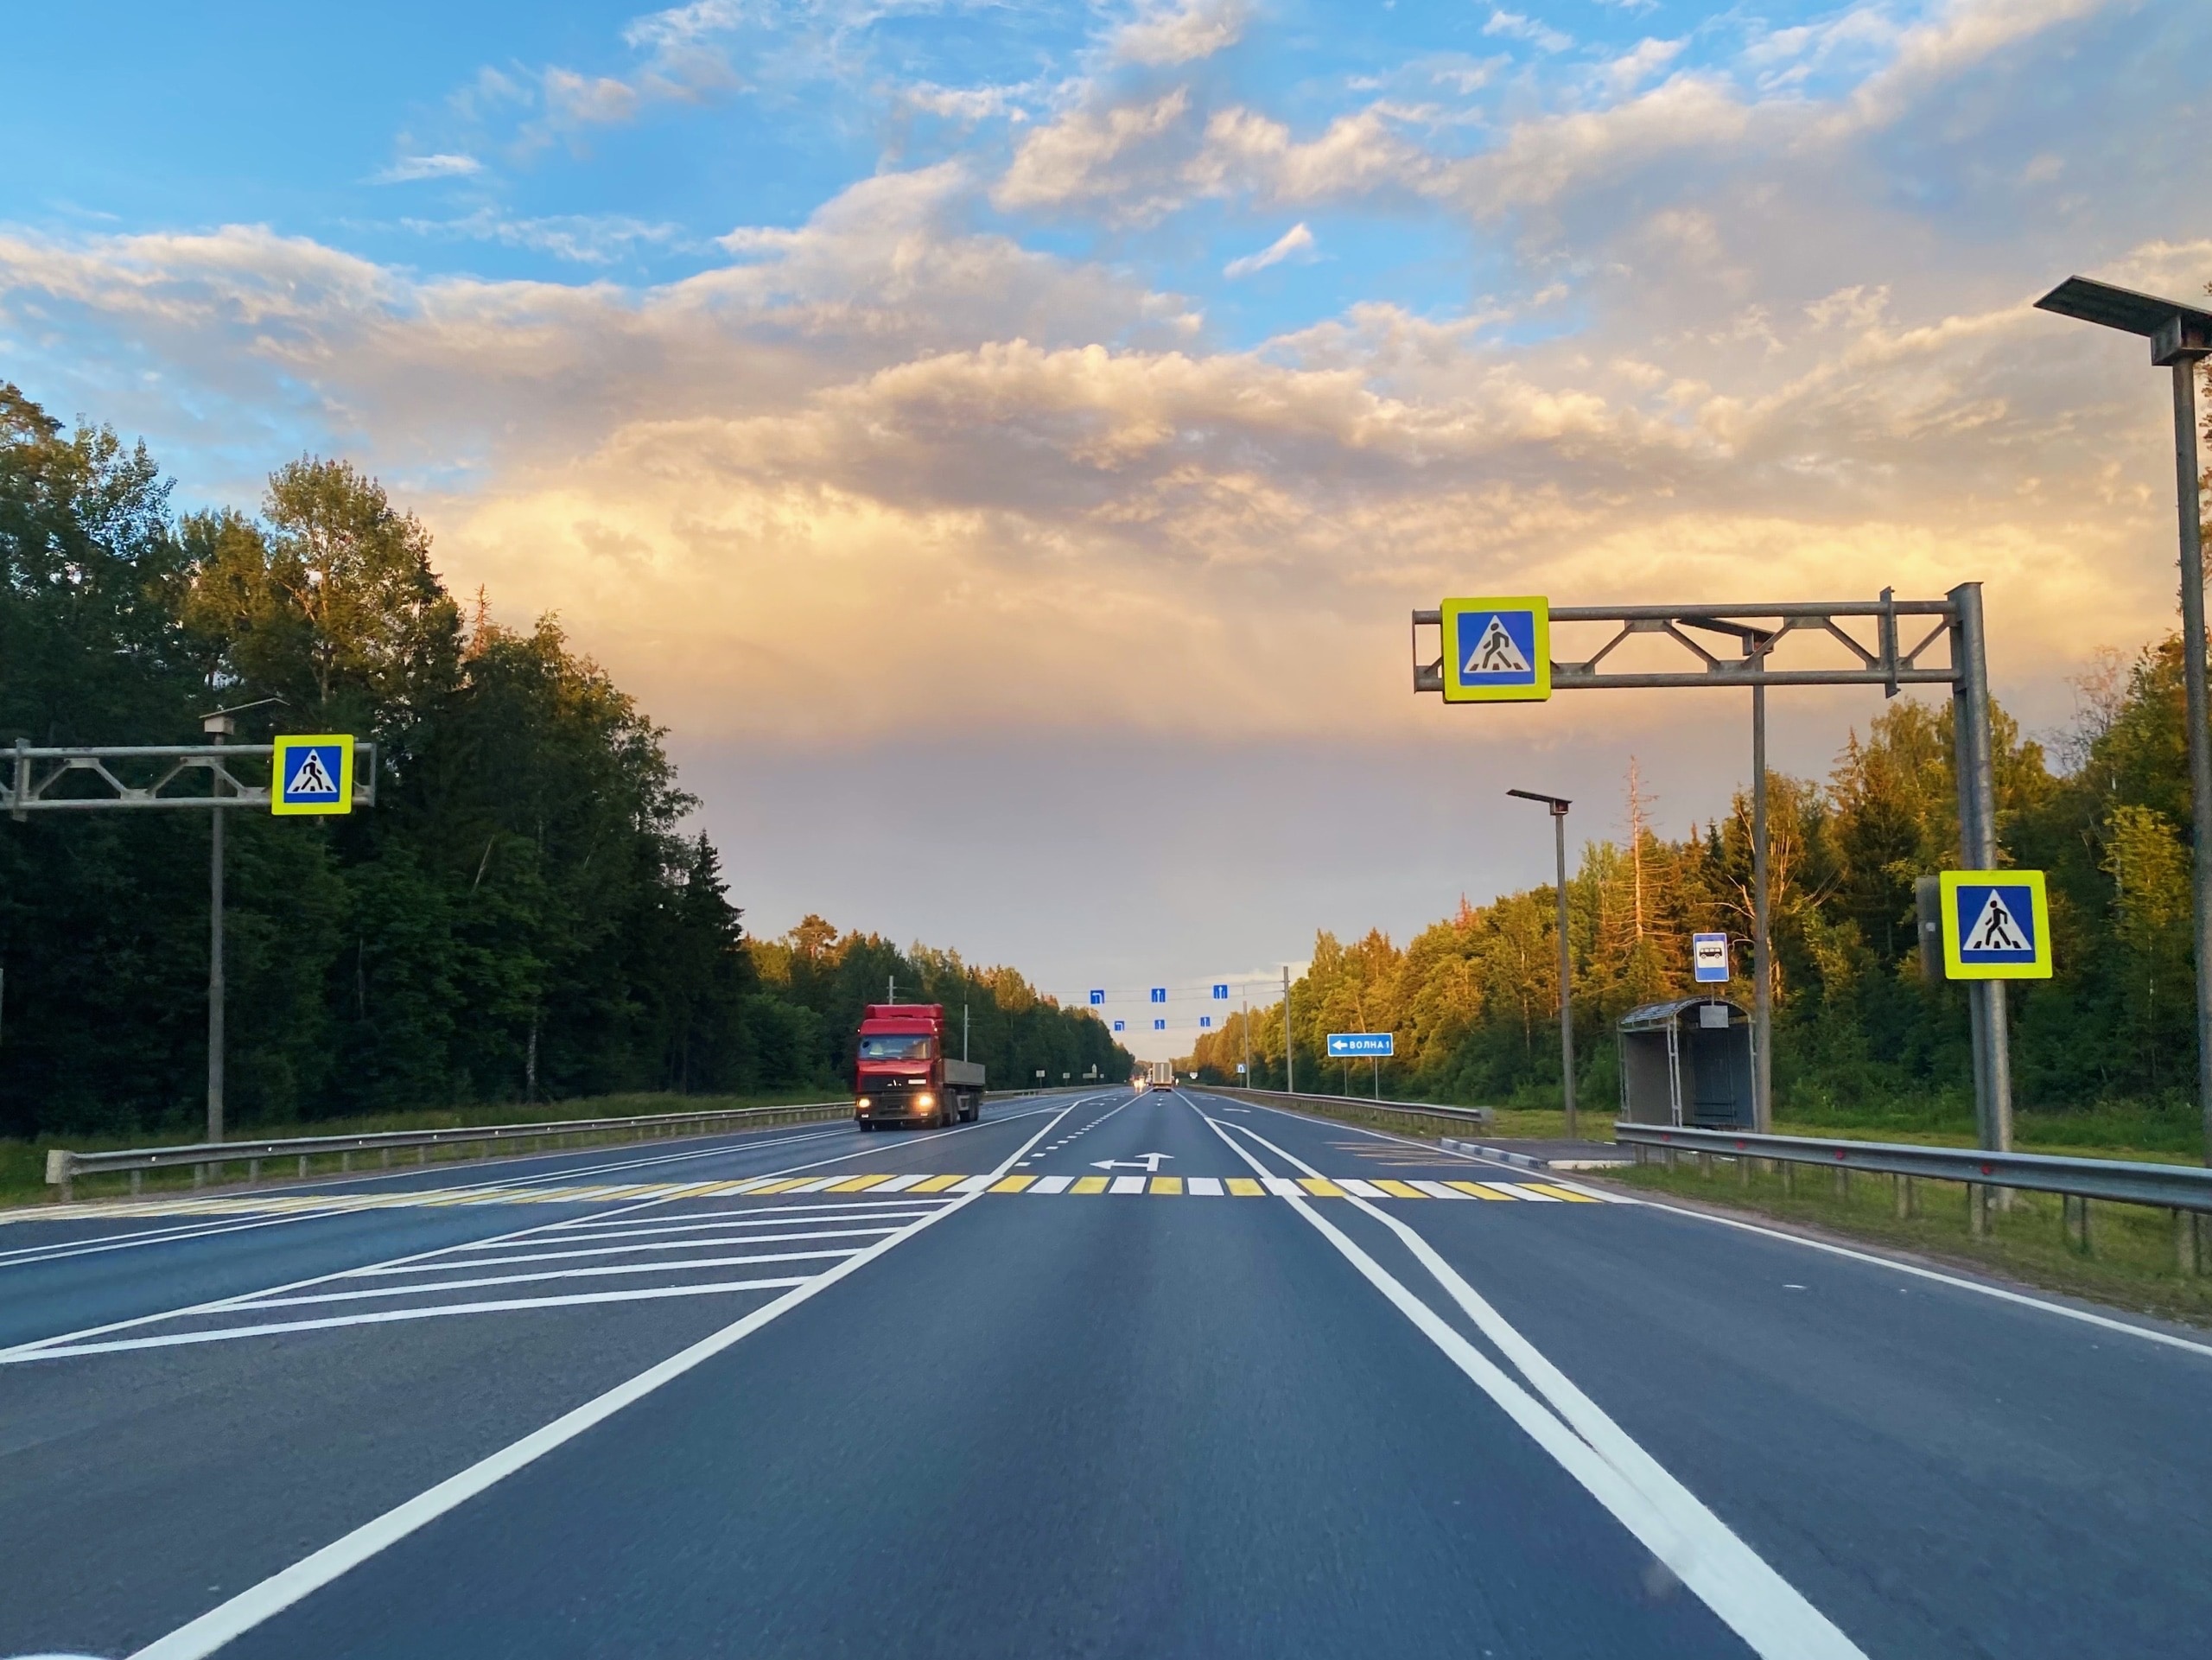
925,1099
865,1104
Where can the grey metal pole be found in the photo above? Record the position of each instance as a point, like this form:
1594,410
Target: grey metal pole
1289,1049
1565,979
1247,1039
1974,746
218,728
2200,717
964,1032
1762,948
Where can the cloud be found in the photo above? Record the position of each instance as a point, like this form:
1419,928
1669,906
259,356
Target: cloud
407,169
1172,34
581,238
1514,26
1297,239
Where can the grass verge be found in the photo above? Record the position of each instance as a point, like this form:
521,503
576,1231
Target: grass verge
2131,1260
22,1164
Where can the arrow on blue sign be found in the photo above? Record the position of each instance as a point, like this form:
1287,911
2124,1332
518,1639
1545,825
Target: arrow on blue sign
1344,1045
1221,993
1159,994
1096,998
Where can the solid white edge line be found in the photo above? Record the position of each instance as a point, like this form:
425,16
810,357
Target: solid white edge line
2088,1317
250,1607
1740,1587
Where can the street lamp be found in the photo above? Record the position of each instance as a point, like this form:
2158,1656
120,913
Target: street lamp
2180,338
1559,806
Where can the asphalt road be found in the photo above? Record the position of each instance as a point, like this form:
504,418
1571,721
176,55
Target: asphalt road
1101,1376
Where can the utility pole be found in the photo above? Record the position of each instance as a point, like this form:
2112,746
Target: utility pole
1289,1049
218,727
964,1031
2181,339
1247,1037
1558,806
1761,947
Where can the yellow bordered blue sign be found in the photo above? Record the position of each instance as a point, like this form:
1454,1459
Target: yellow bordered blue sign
1497,650
312,774
1996,926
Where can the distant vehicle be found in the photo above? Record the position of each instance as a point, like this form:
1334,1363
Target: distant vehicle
901,1074
1160,1074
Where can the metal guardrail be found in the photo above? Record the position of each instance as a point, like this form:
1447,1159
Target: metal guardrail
2167,1186
1359,1102
63,1166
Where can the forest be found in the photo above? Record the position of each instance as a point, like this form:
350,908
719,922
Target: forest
2103,810
526,912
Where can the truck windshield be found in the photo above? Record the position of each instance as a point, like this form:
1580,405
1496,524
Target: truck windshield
895,1046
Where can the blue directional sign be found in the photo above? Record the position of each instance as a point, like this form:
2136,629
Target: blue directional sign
1096,998
1159,1026
1159,994
1344,1045
1205,1019
312,774
1221,993
1121,1025
1497,650
1996,926
1709,958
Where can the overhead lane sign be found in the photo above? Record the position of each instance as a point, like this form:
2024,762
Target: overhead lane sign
1497,650
312,774
1344,1044
1996,925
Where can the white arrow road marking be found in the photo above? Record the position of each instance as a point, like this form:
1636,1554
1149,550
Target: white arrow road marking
1147,1162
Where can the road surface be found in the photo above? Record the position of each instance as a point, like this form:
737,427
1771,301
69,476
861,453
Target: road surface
1102,1376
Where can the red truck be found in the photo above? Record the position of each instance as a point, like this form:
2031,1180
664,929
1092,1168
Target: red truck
901,1074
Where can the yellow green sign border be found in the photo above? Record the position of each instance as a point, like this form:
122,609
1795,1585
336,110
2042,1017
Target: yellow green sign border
279,767
2039,920
1457,691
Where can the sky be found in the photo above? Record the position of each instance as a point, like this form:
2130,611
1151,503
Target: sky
1003,444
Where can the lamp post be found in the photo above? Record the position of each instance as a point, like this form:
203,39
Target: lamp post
1559,806
2180,338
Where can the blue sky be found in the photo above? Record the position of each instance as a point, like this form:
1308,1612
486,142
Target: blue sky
1039,397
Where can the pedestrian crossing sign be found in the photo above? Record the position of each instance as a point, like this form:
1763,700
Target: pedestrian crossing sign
312,774
1497,650
1996,926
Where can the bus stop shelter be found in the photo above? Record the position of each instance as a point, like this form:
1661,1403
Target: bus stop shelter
1687,1062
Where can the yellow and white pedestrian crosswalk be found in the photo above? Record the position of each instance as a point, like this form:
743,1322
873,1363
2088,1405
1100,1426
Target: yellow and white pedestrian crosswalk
873,1186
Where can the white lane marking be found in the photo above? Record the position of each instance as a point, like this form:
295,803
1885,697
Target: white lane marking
390,1316
1520,1190
341,1203
1430,1148
217,1303
1127,1185
817,1184
1771,1616
2106,1322
1281,1186
1363,1189
714,1243
316,1204
1436,1190
972,1186
1204,1187
425,1287
248,1609
805,1216
898,1184
1052,1184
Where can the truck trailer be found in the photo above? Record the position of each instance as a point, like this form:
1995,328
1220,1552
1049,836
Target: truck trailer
901,1074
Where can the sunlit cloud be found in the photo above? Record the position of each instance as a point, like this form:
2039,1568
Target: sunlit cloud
1296,240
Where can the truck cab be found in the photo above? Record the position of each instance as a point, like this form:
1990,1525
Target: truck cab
901,1074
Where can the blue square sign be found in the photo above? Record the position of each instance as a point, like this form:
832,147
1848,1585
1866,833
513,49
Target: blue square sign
1159,994
1121,1025
1221,993
1159,1026
1996,925
1497,650
1096,998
